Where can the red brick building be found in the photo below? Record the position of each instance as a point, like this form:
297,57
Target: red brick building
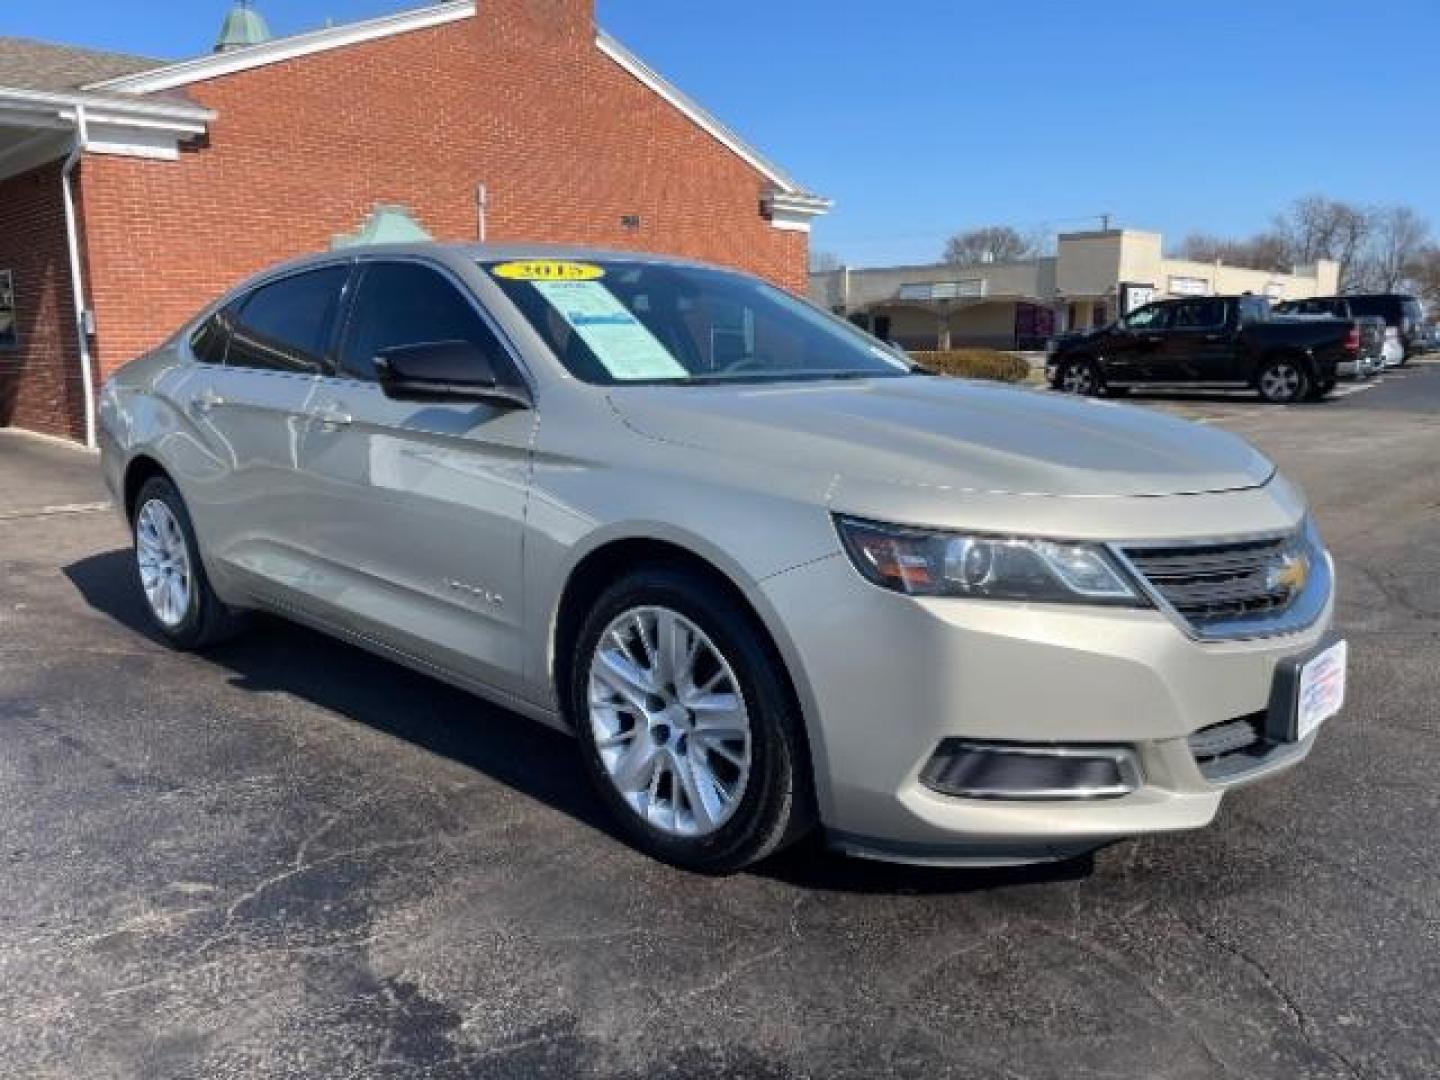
133,191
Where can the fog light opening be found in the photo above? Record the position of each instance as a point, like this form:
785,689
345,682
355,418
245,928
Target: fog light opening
984,770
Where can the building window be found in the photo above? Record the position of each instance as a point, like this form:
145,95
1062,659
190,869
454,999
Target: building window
9,332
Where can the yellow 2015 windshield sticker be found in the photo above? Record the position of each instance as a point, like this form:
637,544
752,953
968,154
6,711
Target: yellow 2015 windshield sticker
548,270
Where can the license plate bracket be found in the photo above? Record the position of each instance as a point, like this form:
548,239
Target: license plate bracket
1308,690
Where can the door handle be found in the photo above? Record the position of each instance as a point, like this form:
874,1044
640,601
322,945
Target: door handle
207,399
332,415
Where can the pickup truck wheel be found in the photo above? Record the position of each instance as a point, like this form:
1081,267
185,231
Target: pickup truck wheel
1080,377
1282,382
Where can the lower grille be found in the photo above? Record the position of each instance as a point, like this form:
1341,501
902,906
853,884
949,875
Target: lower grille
1240,581
1227,751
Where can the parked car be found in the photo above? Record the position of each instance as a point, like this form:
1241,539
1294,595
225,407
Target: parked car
1212,342
770,575
1403,314
1375,353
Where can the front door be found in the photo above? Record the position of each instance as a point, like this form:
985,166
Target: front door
1132,347
419,507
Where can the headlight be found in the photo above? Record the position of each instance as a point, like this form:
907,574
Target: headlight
926,563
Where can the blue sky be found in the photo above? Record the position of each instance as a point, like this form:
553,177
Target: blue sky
944,114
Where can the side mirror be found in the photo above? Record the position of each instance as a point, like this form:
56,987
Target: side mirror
442,371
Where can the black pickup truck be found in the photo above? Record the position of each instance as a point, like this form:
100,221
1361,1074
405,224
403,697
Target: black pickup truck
1208,342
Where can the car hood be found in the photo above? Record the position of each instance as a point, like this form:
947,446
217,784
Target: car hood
947,433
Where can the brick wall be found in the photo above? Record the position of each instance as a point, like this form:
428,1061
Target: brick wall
40,385
519,98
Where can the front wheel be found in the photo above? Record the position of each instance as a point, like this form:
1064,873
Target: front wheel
1080,377
686,725
1282,382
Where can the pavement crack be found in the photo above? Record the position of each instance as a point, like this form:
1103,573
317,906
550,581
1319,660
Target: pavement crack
1301,1020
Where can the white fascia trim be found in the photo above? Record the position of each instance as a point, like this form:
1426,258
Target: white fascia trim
671,93
46,106
794,212
288,48
113,125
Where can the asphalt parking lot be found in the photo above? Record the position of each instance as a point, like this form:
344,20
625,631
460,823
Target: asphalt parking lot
288,858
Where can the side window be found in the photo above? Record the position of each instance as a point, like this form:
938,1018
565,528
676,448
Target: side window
286,325
1149,317
210,341
1369,307
1200,315
9,334
404,303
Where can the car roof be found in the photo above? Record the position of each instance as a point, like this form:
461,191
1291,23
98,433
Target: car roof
476,253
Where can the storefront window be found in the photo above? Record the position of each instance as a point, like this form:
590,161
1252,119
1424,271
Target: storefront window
8,334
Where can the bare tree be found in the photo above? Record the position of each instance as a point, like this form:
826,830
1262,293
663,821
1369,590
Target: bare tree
1423,276
823,262
994,243
1399,235
1318,227
1263,251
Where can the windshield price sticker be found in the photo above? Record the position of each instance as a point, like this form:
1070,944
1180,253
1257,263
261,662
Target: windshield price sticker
620,341
548,270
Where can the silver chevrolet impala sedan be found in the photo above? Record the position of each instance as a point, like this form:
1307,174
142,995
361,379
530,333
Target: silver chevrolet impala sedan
774,577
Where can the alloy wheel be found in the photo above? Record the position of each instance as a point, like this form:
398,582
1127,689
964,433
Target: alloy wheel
669,721
164,562
1280,382
1078,379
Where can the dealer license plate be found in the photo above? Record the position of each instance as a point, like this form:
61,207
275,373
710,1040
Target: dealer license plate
1322,689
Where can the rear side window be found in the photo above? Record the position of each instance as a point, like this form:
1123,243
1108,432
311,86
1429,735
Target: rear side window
1371,307
210,341
287,324
1199,314
405,303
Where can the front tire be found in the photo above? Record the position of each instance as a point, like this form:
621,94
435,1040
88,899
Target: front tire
686,723
1282,381
1080,377
181,605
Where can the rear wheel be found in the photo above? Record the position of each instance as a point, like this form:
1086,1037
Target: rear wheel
1080,377
178,597
1283,381
687,728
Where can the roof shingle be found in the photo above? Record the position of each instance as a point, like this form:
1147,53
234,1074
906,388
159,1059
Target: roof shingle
26,64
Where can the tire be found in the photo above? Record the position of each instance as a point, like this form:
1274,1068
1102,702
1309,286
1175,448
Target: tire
648,755
1320,390
181,605
1080,377
1282,381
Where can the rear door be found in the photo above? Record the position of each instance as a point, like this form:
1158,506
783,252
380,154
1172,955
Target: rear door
1197,345
417,510
249,406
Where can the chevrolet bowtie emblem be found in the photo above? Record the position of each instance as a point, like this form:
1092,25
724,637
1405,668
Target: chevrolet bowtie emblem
1290,573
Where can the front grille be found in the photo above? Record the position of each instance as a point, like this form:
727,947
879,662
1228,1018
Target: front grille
1218,583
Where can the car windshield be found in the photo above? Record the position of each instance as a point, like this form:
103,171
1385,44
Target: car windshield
613,321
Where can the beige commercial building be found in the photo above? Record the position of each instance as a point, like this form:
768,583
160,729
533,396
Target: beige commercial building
1091,278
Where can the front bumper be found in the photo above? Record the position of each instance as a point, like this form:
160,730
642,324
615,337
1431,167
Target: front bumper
887,677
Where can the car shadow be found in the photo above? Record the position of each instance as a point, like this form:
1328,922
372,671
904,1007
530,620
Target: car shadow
524,755
1211,397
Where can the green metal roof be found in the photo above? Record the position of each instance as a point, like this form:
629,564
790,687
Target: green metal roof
385,225
243,26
